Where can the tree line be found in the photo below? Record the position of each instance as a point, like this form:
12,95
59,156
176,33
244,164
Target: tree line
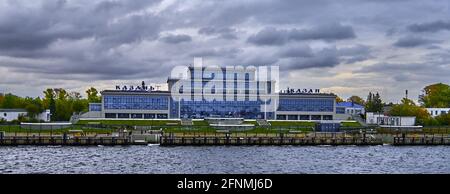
61,103
433,96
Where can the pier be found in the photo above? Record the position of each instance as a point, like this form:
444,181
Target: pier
422,140
76,141
267,139
193,138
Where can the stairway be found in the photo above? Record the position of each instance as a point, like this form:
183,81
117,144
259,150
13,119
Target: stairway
360,120
263,122
187,122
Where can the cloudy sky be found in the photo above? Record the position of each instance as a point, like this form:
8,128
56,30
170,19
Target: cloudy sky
346,47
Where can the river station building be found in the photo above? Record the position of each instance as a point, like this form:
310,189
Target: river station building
243,96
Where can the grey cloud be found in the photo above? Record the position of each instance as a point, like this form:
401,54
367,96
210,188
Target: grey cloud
269,36
302,56
355,53
295,51
430,26
438,69
37,27
225,33
116,40
328,32
175,39
216,52
412,41
324,58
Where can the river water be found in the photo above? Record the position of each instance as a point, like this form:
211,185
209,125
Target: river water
225,159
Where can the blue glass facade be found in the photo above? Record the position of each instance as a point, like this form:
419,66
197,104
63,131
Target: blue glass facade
95,107
237,98
136,102
306,105
340,110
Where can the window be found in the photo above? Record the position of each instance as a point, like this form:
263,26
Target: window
292,117
136,102
136,116
327,117
149,116
123,115
316,117
110,115
304,117
306,105
281,117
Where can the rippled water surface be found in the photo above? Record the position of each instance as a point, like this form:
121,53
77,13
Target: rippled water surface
233,159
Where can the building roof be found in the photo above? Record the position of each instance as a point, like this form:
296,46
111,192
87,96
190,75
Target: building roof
13,110
349,105
133,92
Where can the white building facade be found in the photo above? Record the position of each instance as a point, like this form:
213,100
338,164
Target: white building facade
14,114
434,112
383,120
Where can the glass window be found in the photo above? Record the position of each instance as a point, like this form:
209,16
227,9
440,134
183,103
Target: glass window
110,115
123,115
292,117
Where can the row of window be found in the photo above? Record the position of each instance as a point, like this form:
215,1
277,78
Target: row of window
136,102
135,116
317,105
436,113
95,107
304,117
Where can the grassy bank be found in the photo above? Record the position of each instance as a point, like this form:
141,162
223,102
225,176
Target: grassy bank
350,124
18,129
130,122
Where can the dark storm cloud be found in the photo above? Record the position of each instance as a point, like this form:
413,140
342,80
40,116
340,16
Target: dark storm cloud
52,20
413,41
89,40
175,39
329,32
434,26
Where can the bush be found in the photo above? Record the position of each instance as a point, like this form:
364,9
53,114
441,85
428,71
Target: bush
443,119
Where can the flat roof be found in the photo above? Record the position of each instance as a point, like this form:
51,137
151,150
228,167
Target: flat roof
13,110
133,92
168,93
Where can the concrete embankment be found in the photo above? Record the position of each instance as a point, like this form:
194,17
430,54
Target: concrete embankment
211,139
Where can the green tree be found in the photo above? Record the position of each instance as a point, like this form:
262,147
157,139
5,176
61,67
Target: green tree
2,98
443,119
374,103
78,104
435,96
339,99
50,103
356,99
92,95
32,110
409,108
